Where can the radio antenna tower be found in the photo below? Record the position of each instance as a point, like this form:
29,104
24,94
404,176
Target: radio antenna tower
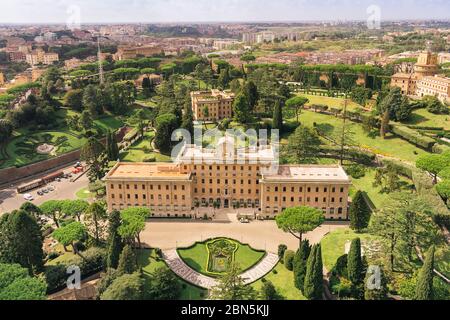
100,64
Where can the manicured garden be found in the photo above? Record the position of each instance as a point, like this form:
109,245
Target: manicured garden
392,146
283,280
337,103
200,258
376,195
148,261
22,150
333,244
142,151
421,117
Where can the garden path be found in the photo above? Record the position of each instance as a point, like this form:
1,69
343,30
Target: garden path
177,265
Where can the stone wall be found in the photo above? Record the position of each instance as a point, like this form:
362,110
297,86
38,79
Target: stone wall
12,174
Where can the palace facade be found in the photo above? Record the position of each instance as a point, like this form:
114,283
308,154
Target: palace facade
248,178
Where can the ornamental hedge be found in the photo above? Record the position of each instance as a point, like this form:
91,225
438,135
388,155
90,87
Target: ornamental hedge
414,137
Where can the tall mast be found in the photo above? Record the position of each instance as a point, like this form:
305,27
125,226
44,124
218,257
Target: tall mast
100,65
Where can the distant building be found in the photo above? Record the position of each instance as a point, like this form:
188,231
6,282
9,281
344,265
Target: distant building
218,103
72,63
406,82
426,66
124,53
41,57
434,86
17,56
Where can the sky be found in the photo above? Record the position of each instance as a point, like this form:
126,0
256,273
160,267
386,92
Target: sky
113,11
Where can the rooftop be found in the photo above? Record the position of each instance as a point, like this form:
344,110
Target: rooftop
307,173
146,171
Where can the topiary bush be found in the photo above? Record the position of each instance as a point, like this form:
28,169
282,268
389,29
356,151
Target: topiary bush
281,250
289,259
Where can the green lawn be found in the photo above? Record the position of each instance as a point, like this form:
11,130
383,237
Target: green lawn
337,103
366,184
421,117
283,280
333,244
84,194
391,146
108,122
147,260
197,257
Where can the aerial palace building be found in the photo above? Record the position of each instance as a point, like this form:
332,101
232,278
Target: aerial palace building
212,105
227,177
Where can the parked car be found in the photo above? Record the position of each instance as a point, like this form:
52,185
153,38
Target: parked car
28,197
51,188
44,190
244,220
40,193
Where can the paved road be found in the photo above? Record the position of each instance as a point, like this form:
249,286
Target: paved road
10,200
264,235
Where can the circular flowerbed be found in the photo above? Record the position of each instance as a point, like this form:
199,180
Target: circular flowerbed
215,256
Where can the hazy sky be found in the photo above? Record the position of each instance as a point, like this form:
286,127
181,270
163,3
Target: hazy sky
49,11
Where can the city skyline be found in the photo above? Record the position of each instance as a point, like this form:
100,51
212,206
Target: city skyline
202,11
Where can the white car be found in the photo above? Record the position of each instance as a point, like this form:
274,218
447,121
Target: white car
28,197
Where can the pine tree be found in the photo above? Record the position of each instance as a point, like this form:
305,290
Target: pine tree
354,263
359,213
300,262
115,244
277,117
21,241
424,286
313,285
127,261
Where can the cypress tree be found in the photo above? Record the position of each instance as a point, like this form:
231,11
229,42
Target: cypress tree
277,117
115,244
127,261
354,263
300,261
313,285
424,286
359,213
112,150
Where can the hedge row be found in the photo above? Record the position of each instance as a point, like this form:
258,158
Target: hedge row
414,137
430,128
401,168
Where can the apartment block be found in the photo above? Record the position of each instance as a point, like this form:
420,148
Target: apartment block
41,57
212,105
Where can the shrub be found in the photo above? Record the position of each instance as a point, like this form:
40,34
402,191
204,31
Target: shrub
150,159
340,268
53,255
399,167
55,277
281,250
289,259
413,136
356,171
